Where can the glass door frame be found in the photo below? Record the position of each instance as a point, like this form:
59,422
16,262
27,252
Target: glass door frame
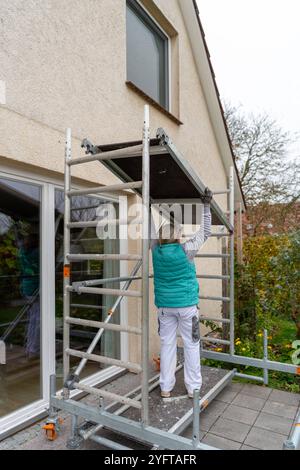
28,414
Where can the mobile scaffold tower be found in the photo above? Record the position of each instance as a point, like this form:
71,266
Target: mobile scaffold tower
141,167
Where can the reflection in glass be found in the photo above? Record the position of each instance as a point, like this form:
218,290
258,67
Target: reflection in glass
86,306
147,55
20,299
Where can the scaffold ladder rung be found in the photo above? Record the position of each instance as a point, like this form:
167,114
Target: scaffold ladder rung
104,291
105,394
106,326
220,234
105,189
133,151
128,152
105,360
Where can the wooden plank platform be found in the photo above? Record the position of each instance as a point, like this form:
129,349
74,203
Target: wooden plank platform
164,413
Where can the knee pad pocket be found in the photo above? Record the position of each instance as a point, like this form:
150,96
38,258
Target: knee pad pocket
195,329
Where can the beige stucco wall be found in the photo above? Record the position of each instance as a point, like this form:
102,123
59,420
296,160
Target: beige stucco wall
64,65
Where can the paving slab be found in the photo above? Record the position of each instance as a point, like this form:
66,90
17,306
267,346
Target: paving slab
247,401
227,396
285,397
207,420
240,414
265,440
230,429
220,442
235,386
258,391
274,423
216,407
280,409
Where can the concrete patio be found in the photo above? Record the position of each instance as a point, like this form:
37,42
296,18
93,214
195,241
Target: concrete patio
243,417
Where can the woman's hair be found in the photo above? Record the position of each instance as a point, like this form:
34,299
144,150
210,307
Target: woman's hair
169,234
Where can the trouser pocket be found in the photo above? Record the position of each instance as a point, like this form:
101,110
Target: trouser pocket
195,329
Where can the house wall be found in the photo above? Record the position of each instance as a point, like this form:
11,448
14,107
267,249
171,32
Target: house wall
64,65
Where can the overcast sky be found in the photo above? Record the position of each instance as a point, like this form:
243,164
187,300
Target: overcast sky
255,52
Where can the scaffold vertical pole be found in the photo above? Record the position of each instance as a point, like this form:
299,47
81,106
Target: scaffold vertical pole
266,372
231,267
145,267
66,269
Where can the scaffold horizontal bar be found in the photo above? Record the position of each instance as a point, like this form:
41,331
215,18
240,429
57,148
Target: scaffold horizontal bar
209,339
106,189
104,360
212,276
98,282
129,152
102,156
214,234
212,255
105,394
215,319
249,377
106,442
106,326
209,297
104,291
129,427
251,361
220,234
223,191
104,257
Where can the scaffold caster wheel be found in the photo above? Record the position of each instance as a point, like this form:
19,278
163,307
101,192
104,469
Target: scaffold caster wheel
52,428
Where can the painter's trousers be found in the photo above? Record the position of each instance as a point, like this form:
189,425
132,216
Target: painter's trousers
186,319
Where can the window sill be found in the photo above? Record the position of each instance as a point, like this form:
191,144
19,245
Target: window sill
154,103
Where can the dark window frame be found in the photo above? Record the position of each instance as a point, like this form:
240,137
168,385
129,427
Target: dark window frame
154,28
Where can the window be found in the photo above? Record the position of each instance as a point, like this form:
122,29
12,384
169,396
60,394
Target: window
147,54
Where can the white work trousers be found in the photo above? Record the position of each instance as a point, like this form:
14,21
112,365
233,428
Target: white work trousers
186,319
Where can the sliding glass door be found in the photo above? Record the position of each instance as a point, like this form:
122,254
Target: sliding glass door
20,300
31,262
